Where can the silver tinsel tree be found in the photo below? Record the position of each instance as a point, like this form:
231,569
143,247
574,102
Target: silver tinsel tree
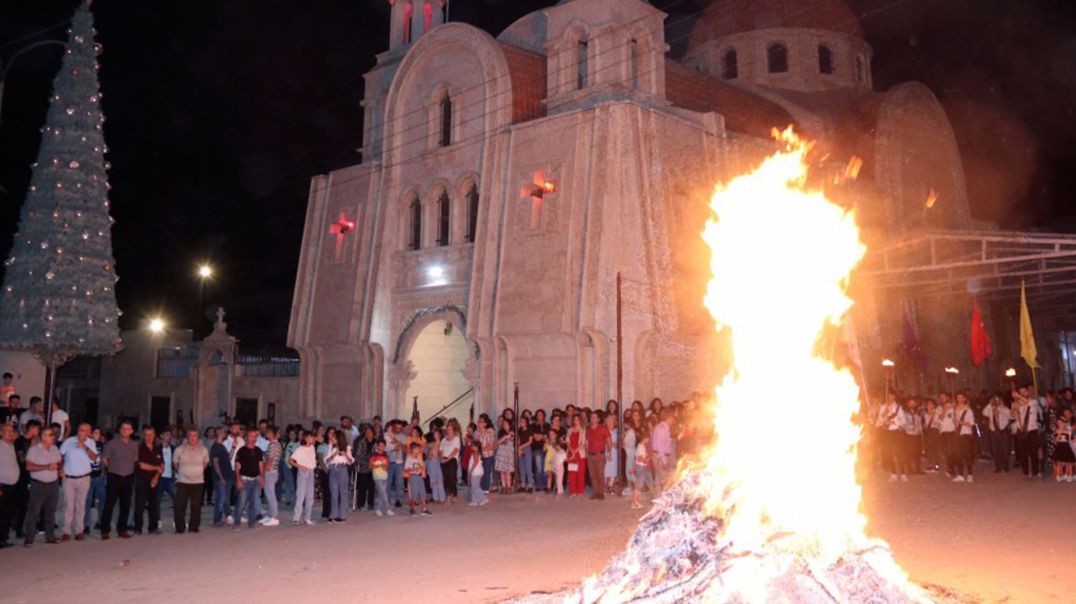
58,298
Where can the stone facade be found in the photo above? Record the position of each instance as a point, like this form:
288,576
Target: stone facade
505,182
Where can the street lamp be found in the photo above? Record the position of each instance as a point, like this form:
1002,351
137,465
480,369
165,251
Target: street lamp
157,325
952,372
887,367
204,272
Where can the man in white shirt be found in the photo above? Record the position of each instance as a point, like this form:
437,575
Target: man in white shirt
999,423
79,453
947,433
9,480
34,411
891,421
59,416
1026,413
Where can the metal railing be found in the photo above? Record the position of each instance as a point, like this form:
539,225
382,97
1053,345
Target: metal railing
455,402
176,361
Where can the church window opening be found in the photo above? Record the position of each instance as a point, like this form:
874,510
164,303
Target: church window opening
409,17
634,49
415,209
581,60
825,59
444,218
777,58
730,66
445,138
472,212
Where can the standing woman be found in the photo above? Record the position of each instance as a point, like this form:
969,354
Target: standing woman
931,423
965,450
364,478
506,454
450,455
486,439
630,450
433,467
337,460
612,454
321,475
526,455
209,438
577,463
539,432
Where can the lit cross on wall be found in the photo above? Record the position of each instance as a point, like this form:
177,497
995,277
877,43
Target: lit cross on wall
536,192
341,228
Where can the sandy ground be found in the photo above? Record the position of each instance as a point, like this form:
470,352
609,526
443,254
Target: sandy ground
1002,539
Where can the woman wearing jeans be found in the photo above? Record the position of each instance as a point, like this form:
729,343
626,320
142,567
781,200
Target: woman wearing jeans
274,453
338,459
485,437
304,459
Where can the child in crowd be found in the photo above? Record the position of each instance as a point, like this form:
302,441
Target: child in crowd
379,467
414,473
550,452
641,471
1063,455
560,460
304,460
474,475
433,468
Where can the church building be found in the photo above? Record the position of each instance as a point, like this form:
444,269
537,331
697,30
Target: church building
506,181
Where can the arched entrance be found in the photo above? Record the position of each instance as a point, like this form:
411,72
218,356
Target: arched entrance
438,356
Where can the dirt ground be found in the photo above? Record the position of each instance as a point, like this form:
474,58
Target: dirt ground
1002,539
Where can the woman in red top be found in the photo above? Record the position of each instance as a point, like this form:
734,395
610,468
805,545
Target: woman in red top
577,461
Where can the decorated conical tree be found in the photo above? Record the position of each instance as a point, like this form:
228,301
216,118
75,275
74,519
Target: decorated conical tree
58,298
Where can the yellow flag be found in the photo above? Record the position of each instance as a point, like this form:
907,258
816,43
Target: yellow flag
1027,336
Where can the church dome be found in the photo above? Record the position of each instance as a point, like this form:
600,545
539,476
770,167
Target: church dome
723,18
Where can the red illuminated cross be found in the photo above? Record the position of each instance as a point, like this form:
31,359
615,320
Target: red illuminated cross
536,192
341,228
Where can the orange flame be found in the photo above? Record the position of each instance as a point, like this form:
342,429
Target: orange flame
932,198
781,256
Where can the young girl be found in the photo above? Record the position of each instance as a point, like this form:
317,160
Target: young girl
641,469
474,476
379,467
551,441
1063,456
433,468
414,472
338,459
506,455
629,450
304,460
612,454
560,459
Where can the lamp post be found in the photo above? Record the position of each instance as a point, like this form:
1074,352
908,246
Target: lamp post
205,272
952,372
887,368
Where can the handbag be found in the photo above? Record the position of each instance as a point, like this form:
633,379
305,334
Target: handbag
573,466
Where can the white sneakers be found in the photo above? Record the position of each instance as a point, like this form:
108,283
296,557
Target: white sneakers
379,513
904,478
267,521
892,478
958,479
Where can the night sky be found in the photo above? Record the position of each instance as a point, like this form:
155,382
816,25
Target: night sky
219,112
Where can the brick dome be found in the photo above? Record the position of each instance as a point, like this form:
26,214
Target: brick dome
727,17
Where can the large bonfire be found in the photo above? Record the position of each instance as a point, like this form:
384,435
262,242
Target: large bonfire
771,512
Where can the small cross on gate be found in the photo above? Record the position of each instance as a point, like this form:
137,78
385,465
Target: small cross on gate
341,228
536,192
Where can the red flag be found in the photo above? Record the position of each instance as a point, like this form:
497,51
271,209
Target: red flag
980,341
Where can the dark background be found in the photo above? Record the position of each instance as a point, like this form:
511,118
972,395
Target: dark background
220,111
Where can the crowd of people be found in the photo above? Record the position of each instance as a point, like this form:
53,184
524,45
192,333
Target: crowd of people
248,473
951,432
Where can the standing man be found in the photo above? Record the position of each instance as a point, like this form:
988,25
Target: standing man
190,459
1026,413
597,448
59,416
44,463
10,409
250,468
661,447
119,458
394,449
22,445
223,474
79,453
9,480
168,479
273,454
96,496
7,388
147,482
34,413
999,423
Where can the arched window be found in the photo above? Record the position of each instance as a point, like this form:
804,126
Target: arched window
860,69
444,218
472,212
445,138
825,59
415,238
409,17
633,47
582,57
777,58
730,66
